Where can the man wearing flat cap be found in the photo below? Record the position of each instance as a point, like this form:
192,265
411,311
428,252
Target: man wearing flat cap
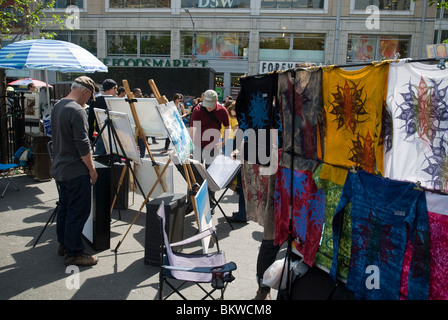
73,169
110,89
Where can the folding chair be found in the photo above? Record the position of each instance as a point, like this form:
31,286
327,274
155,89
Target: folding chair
193,268
6,173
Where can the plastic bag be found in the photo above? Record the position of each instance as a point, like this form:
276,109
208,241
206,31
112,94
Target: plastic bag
272,275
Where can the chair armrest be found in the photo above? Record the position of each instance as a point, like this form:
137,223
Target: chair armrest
228,267
194,238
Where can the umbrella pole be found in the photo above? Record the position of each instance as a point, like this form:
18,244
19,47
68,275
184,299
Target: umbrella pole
48,90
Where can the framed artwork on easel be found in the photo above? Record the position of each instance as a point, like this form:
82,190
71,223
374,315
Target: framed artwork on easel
122,126
177,132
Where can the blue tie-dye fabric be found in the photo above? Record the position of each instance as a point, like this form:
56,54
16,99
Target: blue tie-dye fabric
383,212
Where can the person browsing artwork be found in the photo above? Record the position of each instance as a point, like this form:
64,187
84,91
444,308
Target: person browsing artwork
205,126
73,170
110,89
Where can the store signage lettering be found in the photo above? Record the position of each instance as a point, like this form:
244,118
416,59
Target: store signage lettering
269,66
151,62
215,4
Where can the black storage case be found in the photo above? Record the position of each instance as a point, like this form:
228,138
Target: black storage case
174,225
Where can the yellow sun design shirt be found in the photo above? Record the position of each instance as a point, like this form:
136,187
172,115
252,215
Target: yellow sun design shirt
353,107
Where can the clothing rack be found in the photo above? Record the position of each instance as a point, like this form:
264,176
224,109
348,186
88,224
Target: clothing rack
406,60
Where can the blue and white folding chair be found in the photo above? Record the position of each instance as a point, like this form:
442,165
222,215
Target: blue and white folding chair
193,268
6,173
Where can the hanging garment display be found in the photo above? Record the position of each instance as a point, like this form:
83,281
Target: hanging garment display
417,101
382,211
438,244
259,192
301,91
324,255
256,110
353,103
308,211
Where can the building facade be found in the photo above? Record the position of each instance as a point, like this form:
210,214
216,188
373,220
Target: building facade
246,37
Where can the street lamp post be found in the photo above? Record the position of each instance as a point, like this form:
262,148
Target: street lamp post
193,46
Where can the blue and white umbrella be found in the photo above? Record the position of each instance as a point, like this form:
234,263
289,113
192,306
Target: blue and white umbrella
49,55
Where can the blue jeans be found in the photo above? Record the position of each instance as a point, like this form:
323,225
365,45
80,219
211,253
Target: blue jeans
74,209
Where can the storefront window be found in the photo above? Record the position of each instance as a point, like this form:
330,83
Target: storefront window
215,4
122,43
62,4
211,45
308,47
155,44
235,84
299,47
366,48
274,46
232,46
400,5
139,4
292,4
85,39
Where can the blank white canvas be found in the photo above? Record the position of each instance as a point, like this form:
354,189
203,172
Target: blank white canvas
145,109
147,176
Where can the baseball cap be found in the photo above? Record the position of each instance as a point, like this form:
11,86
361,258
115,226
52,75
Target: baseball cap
210,97
108,84
88,83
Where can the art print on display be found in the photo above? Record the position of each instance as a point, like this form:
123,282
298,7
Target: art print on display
146,112
31,105
204,213
122,125
177,132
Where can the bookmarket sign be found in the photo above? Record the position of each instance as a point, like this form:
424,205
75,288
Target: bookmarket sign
152,62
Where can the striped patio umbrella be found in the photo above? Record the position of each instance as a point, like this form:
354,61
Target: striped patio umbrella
50,55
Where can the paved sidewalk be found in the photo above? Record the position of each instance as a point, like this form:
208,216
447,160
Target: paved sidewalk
28,273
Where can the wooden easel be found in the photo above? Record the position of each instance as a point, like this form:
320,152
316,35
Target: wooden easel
138,134
189,176
187,167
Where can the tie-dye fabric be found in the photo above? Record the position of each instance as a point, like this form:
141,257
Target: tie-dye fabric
301,92
324,255
308,211
353,103
382,212
438,240
418,106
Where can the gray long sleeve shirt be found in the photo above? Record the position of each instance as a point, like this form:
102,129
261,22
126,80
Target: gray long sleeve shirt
69,130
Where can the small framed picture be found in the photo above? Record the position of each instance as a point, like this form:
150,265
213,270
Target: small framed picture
31,106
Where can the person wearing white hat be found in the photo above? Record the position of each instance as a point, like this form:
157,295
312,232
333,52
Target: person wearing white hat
205,126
